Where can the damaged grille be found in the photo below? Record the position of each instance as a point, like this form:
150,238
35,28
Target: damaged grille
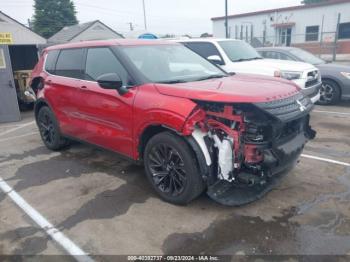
289,108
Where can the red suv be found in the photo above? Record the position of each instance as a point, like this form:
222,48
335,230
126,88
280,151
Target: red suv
194,126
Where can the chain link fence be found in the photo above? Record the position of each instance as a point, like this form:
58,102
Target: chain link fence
323,44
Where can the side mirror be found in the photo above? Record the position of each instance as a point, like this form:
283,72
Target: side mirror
112,81
215,59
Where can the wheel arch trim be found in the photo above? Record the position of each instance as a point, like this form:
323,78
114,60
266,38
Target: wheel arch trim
39,103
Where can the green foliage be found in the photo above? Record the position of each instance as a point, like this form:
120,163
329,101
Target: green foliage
52,15
309,2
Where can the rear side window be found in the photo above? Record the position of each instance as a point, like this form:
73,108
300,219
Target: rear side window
100,61
70,63
276,55
50,62
270,55
204,49
262,53
285,57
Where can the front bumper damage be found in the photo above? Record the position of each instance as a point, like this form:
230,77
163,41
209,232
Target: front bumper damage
246,149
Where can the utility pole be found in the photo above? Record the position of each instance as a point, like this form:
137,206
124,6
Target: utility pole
226,19
336,39
144,14
131,26
321,40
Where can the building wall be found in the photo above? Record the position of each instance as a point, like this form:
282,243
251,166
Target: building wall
20,34
97,32
301,18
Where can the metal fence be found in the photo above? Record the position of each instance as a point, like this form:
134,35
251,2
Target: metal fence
321,44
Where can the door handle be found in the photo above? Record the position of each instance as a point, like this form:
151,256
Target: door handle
84,87
10,84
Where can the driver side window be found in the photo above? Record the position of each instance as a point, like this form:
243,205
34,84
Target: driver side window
100,61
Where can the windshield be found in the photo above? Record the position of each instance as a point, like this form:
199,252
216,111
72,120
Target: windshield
171,64
239,51
307,57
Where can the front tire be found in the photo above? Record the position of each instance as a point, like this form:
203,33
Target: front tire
330,93
172,169
49,130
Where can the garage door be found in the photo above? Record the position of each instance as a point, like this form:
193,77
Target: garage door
9,110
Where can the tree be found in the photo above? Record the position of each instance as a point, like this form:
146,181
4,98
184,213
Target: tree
51,16
309,2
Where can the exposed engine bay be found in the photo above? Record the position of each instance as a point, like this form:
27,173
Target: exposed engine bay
248,146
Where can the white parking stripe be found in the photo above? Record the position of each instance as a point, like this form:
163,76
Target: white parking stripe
16,128
53,232
331,112
15,137
326,160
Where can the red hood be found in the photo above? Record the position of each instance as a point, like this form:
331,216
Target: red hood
240,88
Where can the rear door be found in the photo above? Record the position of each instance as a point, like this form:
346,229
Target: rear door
9,110
62,88
106,116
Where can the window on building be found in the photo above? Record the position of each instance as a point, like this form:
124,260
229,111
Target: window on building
344,31
100,61
70,62
312,33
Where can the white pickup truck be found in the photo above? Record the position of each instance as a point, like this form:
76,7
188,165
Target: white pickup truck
239,57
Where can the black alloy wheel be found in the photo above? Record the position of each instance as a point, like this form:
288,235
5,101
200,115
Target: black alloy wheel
167,168
49,130
172,168
330,93
46,128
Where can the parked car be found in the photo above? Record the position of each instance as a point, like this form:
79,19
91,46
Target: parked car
335,78
239,57
194,126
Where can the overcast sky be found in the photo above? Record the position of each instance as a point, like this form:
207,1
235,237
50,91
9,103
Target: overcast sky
163,16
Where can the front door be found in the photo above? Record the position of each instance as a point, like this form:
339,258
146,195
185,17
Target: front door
9,111
285,36
107,115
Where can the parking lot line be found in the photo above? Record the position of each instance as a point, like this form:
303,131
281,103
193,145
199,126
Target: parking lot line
16,128
53,232
331,112
15,137
326,160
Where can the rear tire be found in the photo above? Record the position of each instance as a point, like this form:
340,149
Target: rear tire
171,168
49,130
330,93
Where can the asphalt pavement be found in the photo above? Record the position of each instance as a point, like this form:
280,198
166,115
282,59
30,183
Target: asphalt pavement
104,205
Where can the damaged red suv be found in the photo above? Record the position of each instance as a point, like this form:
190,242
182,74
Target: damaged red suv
193,126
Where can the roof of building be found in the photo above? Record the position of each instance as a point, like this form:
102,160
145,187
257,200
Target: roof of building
20,24
113,42
68,33
290,8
